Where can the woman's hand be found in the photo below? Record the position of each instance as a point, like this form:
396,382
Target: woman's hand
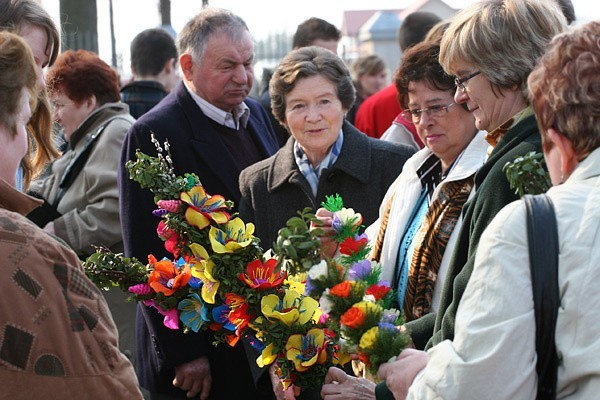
280,394
399,375
341,386
328,244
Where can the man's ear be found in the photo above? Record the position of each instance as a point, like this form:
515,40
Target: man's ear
187,66
568,158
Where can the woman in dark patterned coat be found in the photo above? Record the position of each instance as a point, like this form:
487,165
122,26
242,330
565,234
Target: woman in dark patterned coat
311,91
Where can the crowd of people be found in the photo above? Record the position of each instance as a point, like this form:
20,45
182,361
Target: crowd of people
422,159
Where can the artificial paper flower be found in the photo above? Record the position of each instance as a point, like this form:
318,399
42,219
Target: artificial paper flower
233,236
261,276
352,245
203,208
203,268
368,339
306,350
171,319
191,312
296,282
238,315
378,291
166,278
220,315
293,308
342,289
267,356
318,271
170,237
347,216
369,307
353,317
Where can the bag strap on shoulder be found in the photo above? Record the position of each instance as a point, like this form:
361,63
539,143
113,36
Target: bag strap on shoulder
78,163
542,235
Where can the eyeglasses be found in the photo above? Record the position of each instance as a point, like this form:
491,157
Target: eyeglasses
460,82
436,111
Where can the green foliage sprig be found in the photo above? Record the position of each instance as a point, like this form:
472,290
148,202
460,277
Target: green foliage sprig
107,269
297,245
527,174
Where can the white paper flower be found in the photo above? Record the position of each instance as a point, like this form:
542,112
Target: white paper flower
324,303
318,271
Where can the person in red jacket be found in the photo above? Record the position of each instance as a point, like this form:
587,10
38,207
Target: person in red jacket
378,111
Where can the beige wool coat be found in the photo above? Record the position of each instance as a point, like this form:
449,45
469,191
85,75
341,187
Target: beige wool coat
90,206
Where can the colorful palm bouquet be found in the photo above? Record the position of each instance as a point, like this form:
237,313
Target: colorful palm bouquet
299,318
357,302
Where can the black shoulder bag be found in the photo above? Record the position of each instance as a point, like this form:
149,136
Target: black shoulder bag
47,212
542,236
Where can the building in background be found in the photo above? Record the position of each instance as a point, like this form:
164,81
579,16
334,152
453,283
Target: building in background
375,31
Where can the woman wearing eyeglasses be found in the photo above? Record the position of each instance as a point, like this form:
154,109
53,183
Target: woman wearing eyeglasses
420,213
414,236
491,83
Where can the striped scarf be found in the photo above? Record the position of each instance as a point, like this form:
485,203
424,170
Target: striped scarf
311,174
432,238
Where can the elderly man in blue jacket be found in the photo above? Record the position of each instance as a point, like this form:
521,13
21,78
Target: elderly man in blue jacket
215,131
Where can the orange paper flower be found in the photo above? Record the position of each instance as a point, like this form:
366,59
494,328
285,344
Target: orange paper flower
342,289
353,318
166,278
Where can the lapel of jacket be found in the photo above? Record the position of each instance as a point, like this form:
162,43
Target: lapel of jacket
355,157
284,169
205,141
263,134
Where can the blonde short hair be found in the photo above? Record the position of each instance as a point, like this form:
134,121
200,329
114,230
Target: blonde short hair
502,38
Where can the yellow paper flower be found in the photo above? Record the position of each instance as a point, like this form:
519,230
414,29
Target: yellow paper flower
297,282
342,358
368,307
202,208
306,350
267,357
234,235
368,339
293,308
203,269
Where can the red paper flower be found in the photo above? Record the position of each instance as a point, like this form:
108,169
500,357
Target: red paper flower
261,276
378,291
351,246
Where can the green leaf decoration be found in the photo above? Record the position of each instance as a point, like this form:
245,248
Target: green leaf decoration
527,174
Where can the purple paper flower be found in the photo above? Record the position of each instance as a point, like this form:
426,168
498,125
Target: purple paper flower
361,236
159,212
360,270
386,326
390,316
336,222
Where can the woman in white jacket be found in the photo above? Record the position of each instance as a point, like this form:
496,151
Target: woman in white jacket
419,217
493,352
414,236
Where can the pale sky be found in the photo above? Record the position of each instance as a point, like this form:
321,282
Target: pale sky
262,16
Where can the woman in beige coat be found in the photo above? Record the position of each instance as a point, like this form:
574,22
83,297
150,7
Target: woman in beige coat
81,192
57,338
